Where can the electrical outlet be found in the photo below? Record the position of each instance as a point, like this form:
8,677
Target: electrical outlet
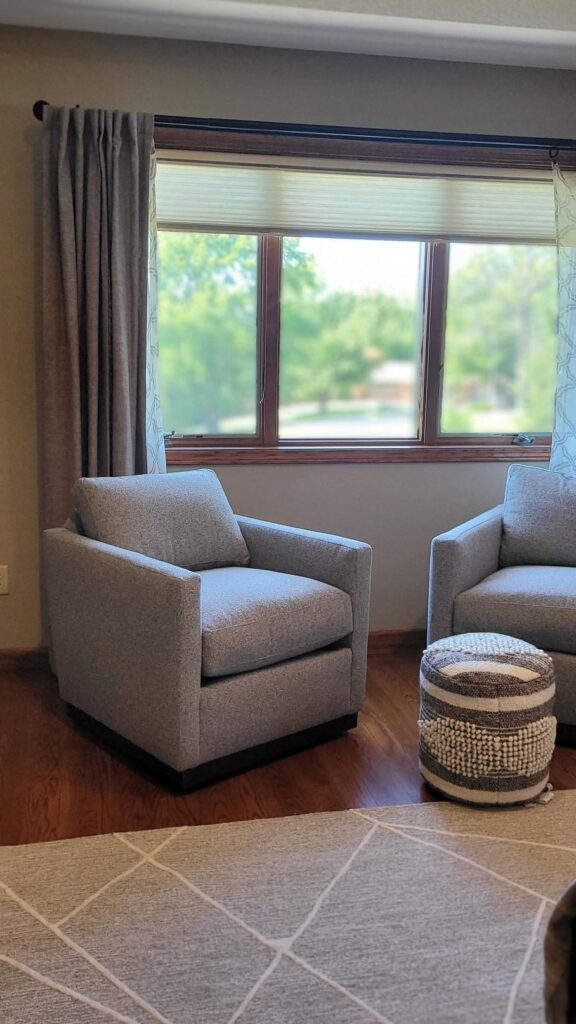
3,579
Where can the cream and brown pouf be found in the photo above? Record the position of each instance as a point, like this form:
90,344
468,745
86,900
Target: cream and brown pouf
487,727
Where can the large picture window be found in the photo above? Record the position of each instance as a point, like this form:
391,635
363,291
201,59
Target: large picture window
319,310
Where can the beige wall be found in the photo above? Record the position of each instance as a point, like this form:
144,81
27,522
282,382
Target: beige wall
396,508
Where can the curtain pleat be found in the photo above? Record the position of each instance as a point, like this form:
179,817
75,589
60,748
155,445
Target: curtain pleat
563,458
96,194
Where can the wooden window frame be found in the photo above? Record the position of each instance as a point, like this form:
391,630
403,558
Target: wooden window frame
264,447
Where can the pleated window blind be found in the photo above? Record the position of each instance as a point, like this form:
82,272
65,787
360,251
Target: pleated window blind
259,199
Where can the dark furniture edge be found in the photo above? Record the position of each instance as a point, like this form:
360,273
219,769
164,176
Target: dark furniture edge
565,735
221,766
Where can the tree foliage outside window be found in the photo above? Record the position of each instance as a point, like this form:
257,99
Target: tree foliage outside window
350,357
207,332
500,352
334,340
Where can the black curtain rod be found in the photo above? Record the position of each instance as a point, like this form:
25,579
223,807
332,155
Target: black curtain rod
319,131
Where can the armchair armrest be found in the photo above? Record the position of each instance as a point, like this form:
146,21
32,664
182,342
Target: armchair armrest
460,559
338,561
126,639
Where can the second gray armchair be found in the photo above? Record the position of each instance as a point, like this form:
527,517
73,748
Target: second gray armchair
199,641
513,570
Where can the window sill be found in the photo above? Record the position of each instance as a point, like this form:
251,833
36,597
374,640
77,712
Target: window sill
300,455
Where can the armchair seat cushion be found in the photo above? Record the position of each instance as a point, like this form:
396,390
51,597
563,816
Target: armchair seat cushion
536,603
255,617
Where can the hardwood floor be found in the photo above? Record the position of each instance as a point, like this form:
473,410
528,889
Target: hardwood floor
55,782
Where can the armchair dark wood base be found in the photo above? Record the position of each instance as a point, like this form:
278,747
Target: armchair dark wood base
217,769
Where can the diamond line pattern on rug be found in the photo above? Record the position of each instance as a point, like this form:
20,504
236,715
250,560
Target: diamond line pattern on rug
529,823
43,979
467,835
544,900
524,965
282,950
406,959
144,857
279,953
101,968
458,856
125,989
304,996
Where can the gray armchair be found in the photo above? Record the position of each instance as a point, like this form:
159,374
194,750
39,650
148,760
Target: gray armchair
513,570
198,641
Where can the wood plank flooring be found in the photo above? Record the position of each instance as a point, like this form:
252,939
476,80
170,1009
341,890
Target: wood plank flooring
56,782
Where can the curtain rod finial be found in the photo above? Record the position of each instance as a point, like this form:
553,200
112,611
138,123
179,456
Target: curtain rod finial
38,109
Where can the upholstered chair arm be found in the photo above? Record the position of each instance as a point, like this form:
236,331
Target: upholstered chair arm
460,559
338,561
125,632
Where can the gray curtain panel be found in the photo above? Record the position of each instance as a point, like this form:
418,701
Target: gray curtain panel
96,191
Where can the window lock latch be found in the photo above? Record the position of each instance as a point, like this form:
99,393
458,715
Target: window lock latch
171,437
523,439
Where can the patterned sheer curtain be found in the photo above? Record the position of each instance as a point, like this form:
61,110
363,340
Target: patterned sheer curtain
563,459
155,449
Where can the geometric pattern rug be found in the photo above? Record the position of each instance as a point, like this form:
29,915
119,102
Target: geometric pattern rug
423,914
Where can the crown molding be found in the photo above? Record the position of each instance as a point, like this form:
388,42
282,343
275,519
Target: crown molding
311,25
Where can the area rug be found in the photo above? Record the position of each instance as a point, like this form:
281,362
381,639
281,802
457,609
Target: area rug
423,914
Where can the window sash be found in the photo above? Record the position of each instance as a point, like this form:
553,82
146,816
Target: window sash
433,297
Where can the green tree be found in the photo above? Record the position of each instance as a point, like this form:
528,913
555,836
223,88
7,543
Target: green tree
331,341
501,337
207,304
207,327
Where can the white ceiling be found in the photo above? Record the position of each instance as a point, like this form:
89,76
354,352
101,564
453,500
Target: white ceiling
518,32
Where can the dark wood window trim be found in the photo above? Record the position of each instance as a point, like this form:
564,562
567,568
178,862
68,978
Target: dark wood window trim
210,456
264,448
211,141
269,303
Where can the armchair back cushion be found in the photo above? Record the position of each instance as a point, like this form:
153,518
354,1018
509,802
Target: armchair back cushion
181,518
538,518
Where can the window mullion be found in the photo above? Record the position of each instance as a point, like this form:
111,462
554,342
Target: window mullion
269,336
436,268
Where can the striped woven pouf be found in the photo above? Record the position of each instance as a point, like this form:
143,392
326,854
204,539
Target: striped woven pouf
487,727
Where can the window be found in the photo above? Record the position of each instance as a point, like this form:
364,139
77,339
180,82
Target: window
349,339
500,340
207,333
314,311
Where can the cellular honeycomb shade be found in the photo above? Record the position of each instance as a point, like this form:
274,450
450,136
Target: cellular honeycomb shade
291,200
